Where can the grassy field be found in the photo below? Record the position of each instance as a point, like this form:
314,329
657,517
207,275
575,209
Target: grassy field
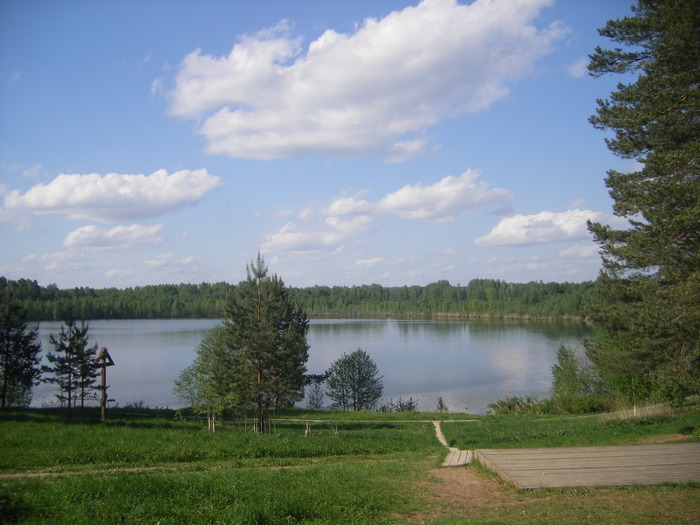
339,468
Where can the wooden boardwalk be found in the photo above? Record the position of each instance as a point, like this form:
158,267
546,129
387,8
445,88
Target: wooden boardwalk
595,466
455,457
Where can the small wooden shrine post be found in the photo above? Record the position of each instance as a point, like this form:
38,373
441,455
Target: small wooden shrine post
104,360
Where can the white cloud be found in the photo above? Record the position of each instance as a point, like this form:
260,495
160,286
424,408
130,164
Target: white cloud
444,200
345,218
119,237
369,263
348,205
33,171
581,251
375,90
169,260
579,68
112,197
543,227
310,235
157,86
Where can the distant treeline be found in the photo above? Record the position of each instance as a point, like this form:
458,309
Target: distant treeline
481,298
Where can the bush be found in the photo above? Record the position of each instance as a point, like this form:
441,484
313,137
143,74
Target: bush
578,404
400,405
515,405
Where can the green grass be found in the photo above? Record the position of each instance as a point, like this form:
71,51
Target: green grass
56,446
365,492
355,468
519,431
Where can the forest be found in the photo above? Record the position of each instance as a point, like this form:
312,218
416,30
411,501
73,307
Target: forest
480,298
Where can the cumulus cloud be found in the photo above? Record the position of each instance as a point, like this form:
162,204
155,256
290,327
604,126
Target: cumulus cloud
375,90
444,200
117,238
313,234
347,217
112,197
543,227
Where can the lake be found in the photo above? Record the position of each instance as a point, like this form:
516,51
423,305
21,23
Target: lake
468,363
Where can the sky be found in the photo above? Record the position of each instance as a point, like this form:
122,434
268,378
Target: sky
395,142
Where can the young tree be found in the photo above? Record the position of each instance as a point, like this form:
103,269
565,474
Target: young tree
353,382
442,406
315,396
73,366
648,306
269,332
19,354
217,379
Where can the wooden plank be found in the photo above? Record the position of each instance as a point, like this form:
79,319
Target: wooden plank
595,466
457,458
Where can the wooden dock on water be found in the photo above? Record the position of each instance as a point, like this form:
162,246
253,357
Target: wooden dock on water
530,468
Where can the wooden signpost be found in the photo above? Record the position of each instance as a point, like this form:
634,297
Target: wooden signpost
104,360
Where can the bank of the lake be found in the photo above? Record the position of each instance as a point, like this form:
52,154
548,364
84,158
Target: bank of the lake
468,363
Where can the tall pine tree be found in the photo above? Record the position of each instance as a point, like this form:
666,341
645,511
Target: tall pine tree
19,354
269,332
648,307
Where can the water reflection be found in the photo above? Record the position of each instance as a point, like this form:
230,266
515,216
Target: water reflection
469,364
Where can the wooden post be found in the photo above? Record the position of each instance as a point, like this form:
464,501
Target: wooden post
104,360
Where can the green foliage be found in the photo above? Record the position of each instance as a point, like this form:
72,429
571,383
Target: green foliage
515,405
587,404
217,380
314,396
354,382
19,354
481,298
400,405
648,302
266,333
573,376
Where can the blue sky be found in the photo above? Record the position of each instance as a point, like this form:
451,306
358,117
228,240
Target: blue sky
390,142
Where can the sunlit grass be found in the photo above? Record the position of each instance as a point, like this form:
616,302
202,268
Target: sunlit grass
52,445
352,469
518,431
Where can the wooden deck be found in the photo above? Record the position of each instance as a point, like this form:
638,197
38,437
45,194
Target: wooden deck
595,466
457,458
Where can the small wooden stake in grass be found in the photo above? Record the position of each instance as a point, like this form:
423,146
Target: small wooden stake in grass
104,360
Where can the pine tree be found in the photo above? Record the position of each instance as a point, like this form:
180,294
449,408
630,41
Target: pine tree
269,331
73,366
354,382
648,306
19,354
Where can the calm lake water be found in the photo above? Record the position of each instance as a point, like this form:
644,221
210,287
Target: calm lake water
468,363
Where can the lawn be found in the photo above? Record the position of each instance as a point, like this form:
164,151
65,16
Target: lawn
355,468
